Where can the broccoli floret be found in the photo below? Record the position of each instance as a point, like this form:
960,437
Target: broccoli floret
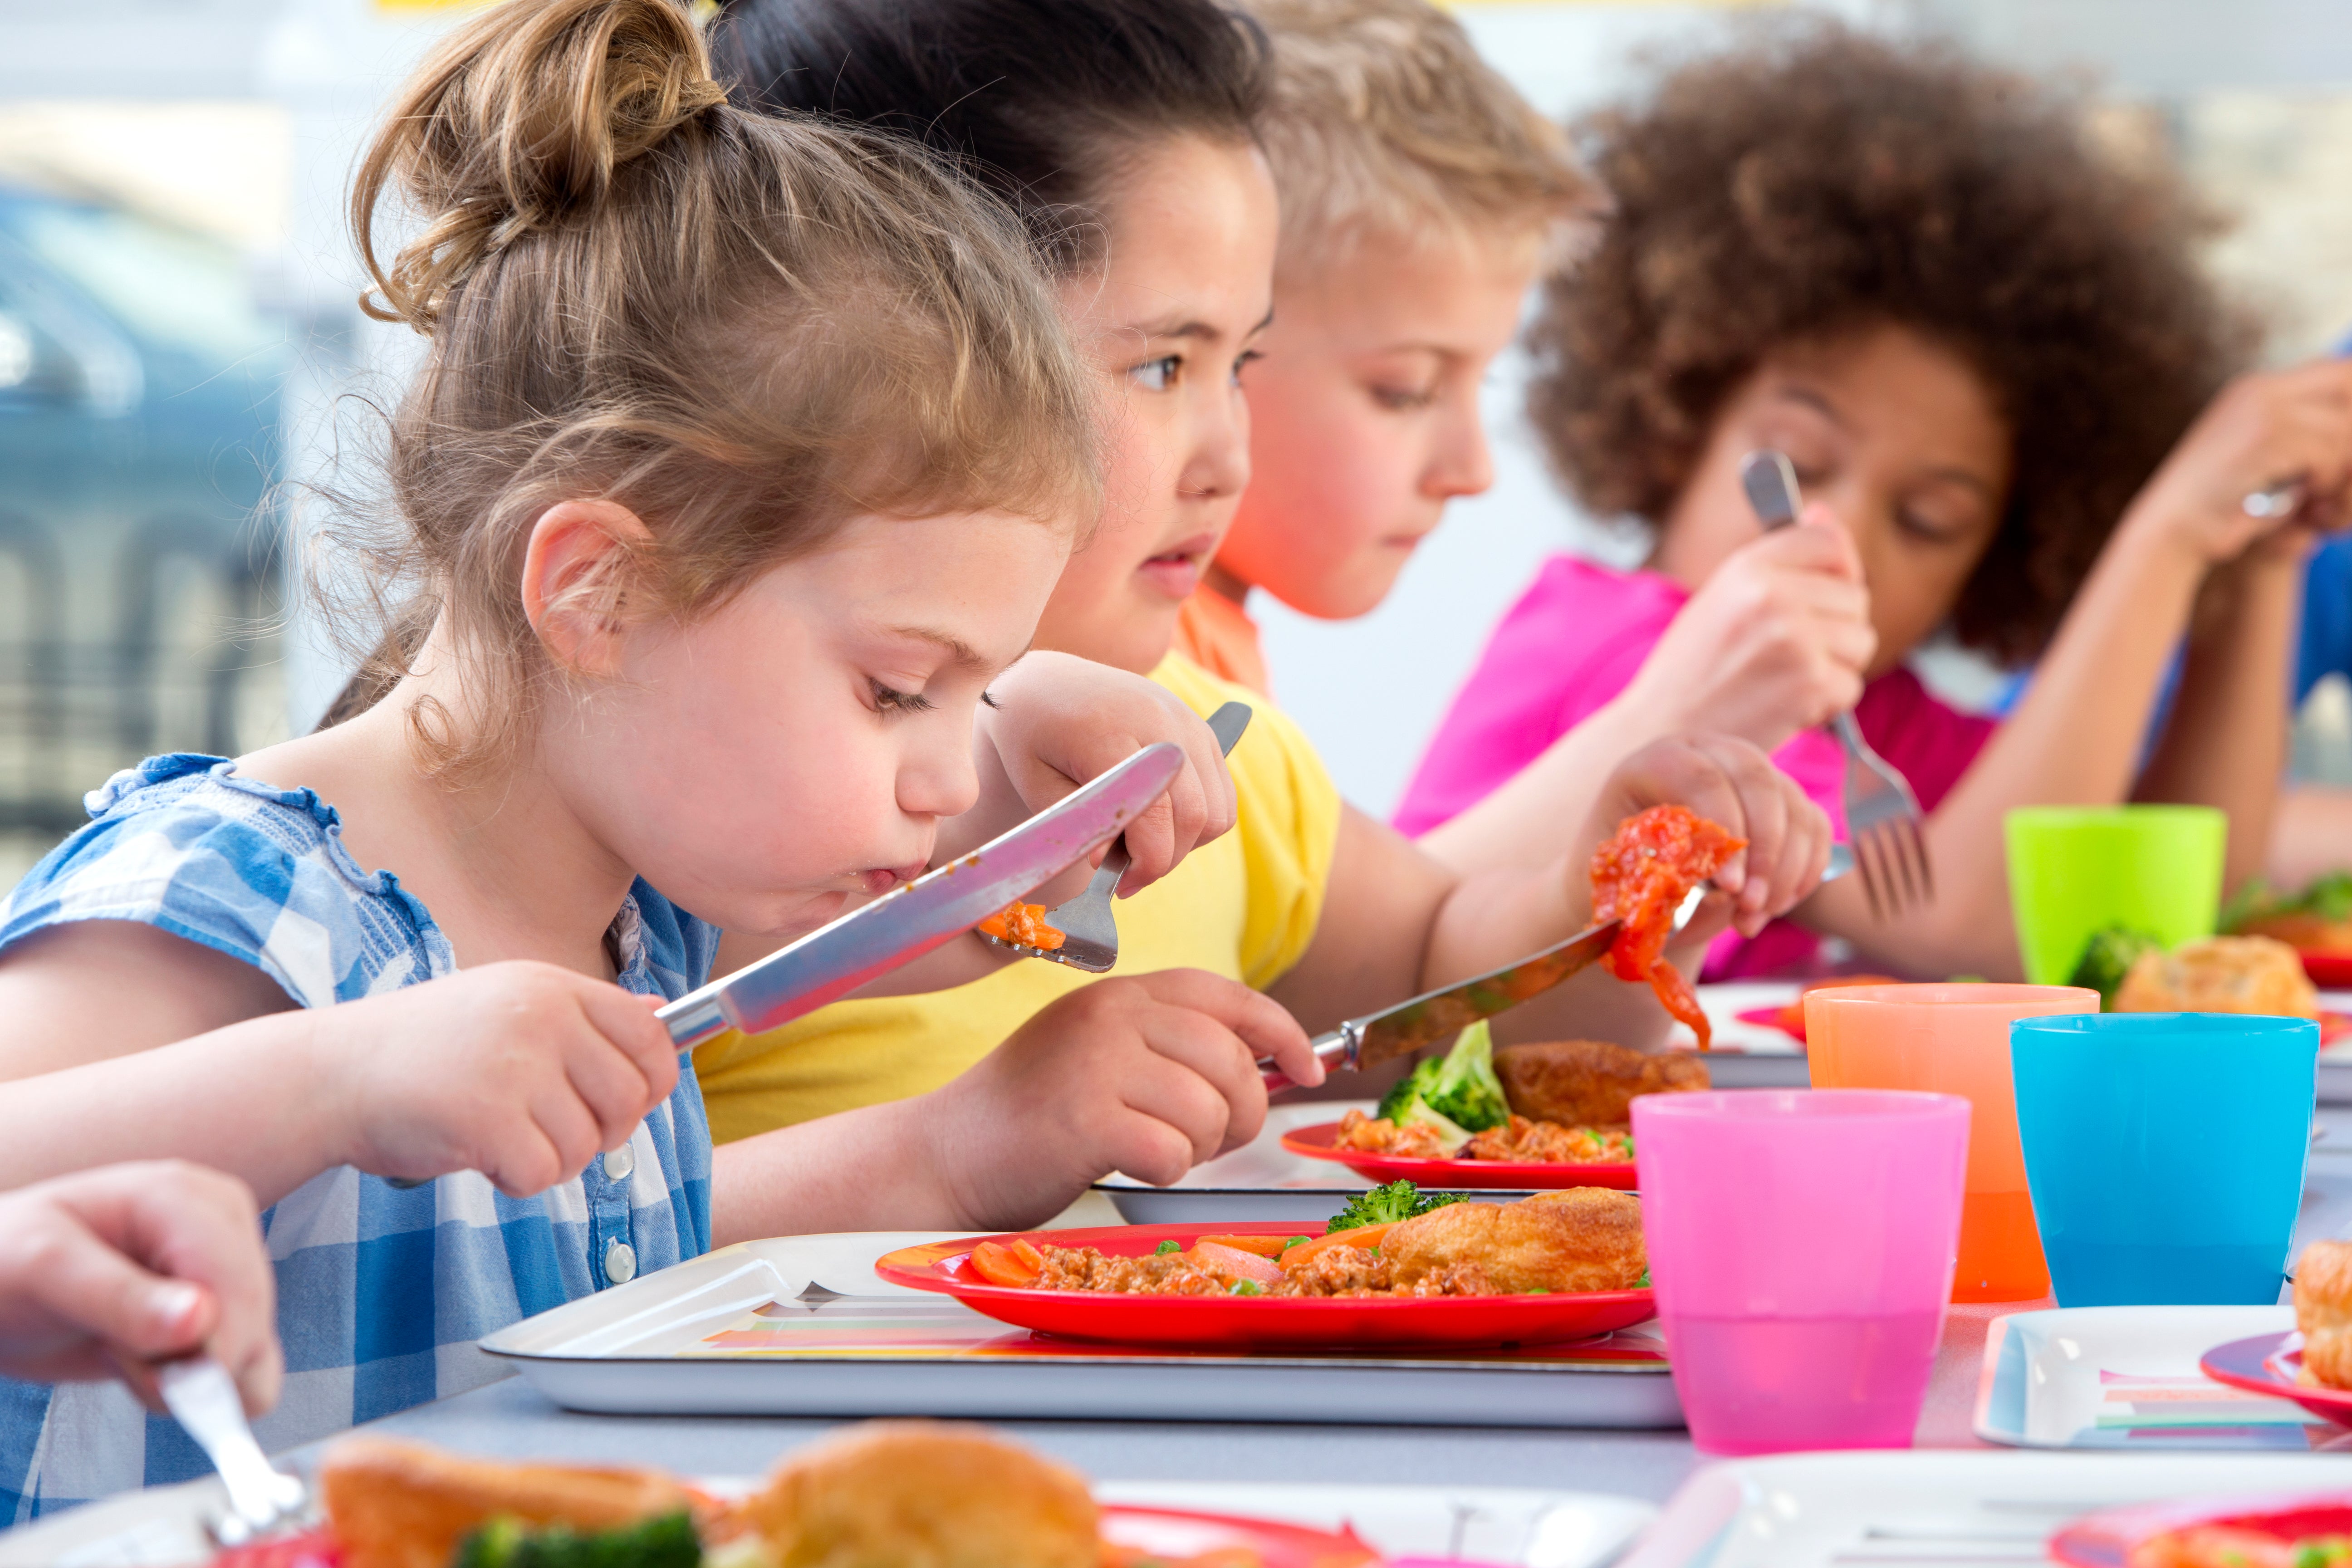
667,1542
1397,1104
2108,956
1467,1093
1385,1204
1458,1094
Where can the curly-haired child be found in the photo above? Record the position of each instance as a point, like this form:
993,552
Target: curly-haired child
1985,345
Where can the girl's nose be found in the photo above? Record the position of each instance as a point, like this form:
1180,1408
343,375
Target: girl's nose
1220,462
936,777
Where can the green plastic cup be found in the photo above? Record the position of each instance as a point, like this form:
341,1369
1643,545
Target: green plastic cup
2073,871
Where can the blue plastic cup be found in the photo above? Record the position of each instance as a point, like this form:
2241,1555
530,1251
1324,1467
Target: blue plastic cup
2164,1152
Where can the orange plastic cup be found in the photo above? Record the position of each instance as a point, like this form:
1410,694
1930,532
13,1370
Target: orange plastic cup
1952,1039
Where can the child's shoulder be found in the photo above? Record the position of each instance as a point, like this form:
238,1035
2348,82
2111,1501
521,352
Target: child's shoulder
185,844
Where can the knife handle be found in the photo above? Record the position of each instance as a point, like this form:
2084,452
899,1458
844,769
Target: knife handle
1336,1051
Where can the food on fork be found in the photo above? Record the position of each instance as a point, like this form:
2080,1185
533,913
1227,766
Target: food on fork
1023,925
885,1494
1640,876
2220,974
1589,1083
1580,1241
2323,1312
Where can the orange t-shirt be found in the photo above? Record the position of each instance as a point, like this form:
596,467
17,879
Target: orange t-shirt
1217,633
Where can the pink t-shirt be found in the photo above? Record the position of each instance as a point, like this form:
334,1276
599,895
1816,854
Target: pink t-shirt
1575,640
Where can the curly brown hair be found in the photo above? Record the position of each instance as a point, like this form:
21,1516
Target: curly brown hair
1816,180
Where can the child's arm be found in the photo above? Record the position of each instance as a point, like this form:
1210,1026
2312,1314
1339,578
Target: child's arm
1148,1074
522,1071
107,1272
2077,736
1776,641
1396,922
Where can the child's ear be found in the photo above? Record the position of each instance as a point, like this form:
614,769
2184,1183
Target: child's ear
580,567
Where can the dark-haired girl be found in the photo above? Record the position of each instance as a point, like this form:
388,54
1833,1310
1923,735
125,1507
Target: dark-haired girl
1121,131
1977,339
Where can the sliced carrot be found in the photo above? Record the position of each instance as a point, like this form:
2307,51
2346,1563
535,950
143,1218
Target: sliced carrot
1229,1264
1263,1246
1017,1265
1362,1236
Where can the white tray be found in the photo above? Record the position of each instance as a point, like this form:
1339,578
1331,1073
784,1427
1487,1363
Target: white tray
827,1338
2126,1377
1952,1509
1260,1180
1501,1525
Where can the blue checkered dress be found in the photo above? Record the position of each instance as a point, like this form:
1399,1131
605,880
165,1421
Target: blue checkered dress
381,1292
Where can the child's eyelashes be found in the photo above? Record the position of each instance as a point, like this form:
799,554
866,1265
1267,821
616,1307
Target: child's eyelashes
1403,399
1159,374
890,700
1242,361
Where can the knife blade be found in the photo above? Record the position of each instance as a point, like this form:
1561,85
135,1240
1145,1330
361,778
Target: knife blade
908,922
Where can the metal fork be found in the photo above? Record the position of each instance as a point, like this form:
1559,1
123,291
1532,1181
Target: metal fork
1882,816
201,1394
1089,931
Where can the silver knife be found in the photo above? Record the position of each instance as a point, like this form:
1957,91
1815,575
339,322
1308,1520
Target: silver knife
909,922
1435,1016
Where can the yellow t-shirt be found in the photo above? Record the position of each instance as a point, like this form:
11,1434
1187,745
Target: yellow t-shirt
1244,906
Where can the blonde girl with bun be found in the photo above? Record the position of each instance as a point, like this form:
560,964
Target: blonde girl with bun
745,456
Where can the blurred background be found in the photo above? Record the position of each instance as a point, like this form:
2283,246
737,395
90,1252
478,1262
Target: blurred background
181,358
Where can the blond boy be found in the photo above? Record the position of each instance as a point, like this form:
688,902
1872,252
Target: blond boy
1420,193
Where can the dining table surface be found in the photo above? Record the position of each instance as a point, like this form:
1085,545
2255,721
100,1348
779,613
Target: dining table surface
510,1419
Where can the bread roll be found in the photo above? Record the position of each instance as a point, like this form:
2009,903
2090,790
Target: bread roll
921,1494
1589,1083
1584,1238
2220,974
403,1505
2323,1310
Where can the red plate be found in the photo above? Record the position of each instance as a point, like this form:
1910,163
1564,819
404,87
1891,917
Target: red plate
1171,1537
1521,1175
1244,1323
2268,1363
1168,1537
2333,970
2107,1539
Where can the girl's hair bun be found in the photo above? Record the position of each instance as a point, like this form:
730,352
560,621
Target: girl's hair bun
519,120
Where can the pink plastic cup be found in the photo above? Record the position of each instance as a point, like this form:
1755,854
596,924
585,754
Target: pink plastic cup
1801,1243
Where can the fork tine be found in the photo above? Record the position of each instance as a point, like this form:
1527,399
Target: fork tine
1866,862
1915,860
1927,864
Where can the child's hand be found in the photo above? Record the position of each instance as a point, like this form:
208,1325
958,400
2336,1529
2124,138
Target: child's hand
1734,785
1061,721
1150,1075
115,1270
522,1071
2265,429
1776,641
